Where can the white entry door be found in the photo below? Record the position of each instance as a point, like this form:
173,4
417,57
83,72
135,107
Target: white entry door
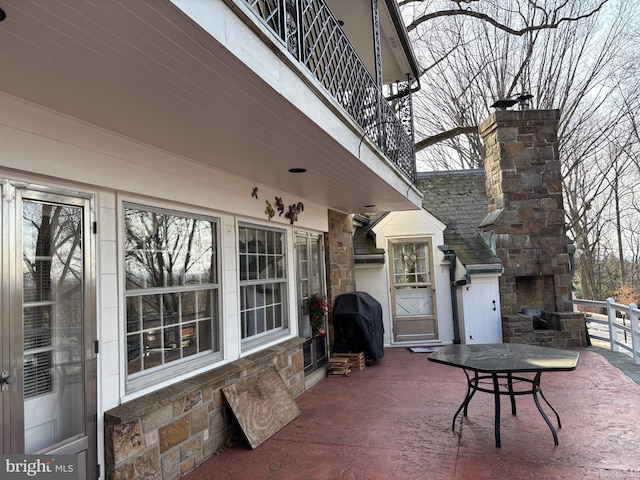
47,325
482,322
412,289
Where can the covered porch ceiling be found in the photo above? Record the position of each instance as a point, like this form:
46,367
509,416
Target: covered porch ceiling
144,70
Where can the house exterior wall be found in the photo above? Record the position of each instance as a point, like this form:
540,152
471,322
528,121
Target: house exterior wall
211,52
45,148
414,223
166,434
341,277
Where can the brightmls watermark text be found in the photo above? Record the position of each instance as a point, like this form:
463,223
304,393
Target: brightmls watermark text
49,467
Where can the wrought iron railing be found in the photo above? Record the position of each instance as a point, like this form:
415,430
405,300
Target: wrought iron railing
314,37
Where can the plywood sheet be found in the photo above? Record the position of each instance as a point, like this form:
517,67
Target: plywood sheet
261,404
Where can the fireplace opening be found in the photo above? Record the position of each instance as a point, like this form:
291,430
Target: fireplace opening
539,319
536,292
539,323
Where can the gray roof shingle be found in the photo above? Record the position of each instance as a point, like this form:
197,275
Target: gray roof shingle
458,199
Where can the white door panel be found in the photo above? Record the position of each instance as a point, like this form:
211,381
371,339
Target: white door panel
414,301
482,319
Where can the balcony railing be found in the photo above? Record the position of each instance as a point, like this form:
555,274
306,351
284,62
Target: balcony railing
314,37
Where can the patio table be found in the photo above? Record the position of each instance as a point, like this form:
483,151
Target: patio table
493,367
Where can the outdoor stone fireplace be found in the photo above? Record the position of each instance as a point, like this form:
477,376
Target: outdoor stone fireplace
526,226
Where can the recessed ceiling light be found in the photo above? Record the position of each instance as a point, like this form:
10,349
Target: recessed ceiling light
297,170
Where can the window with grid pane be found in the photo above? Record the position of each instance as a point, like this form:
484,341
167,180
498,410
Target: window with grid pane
172,288
263,281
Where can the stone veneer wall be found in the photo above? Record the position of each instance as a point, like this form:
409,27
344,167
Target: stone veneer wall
166,434
339,255
340,260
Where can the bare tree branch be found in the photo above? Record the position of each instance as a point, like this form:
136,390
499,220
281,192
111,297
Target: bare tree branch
577,56
486,18
454,132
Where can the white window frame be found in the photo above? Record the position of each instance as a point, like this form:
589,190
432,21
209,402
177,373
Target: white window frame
282,331
158,375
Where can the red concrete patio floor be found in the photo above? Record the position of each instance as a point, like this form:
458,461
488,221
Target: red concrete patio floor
392,420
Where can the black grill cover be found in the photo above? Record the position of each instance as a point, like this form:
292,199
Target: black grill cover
357,321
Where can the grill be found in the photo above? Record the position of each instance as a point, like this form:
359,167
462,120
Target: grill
357,320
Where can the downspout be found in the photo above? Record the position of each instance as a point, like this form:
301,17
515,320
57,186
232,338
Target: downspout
451,257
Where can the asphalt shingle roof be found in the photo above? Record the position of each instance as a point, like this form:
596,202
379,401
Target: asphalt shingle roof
458,199
363,241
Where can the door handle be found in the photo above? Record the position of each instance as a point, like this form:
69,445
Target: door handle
6,380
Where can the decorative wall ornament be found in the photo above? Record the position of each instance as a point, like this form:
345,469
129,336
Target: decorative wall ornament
292,214
269,210
294,211
254,193
280,205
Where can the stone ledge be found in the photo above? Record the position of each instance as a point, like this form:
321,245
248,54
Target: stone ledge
165,434
570,331
222,375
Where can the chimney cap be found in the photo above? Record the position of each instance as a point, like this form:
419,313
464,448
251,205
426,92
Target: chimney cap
523,100
504,103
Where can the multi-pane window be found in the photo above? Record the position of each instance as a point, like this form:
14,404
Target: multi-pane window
309,250
411,263
263,281
172,287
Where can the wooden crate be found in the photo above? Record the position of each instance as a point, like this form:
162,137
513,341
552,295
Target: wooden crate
356,360
339,367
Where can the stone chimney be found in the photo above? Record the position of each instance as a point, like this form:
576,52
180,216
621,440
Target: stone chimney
526,222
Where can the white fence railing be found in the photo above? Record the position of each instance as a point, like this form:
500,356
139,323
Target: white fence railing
614,324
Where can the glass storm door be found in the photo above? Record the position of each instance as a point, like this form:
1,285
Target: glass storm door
310,276
49,402
414,313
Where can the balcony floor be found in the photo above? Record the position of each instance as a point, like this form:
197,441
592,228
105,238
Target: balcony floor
393,420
